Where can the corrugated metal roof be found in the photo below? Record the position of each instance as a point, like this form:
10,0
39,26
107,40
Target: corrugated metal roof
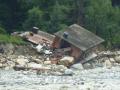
80,37
40,37
36,39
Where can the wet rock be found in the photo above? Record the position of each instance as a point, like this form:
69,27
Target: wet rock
66,61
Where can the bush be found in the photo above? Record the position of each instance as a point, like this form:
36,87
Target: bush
10,39
2,30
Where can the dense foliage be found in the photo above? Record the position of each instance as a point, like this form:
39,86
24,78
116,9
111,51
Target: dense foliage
99,16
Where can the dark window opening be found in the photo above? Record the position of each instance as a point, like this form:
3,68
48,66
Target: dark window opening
64,44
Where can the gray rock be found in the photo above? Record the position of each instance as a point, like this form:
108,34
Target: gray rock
117,59
47,62
87,66
68,72
112,60
58,68
34,65
108,64
66,61
1,65
77,66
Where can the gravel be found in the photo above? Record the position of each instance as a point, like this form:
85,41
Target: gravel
93,79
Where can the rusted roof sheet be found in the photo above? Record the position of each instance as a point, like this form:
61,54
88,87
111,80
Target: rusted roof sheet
36,39
80,37
46,35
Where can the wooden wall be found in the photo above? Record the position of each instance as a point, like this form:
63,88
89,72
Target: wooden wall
56,42
75,52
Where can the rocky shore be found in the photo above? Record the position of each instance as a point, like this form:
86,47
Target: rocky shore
21,68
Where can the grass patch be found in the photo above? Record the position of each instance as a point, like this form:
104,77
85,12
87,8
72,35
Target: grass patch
11,39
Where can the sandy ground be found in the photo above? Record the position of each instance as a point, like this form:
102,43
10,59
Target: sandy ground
95,79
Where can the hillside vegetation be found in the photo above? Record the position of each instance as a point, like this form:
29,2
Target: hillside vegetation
102,17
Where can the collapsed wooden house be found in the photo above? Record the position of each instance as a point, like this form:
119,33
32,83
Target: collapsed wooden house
40,37
80,41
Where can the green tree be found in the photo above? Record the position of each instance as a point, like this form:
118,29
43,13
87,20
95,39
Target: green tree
56,17
102,19
35,16
2,30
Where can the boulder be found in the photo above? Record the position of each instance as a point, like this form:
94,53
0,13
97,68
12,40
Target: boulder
1,65
47,62
11,64
87,66
66,61
3,60
68,72
77,66
118,52
117,59
37,60
34,65
112,60
58,68
21,56
22,61
7,68
108,64
38,67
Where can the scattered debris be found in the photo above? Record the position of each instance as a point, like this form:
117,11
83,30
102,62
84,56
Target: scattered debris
62,53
